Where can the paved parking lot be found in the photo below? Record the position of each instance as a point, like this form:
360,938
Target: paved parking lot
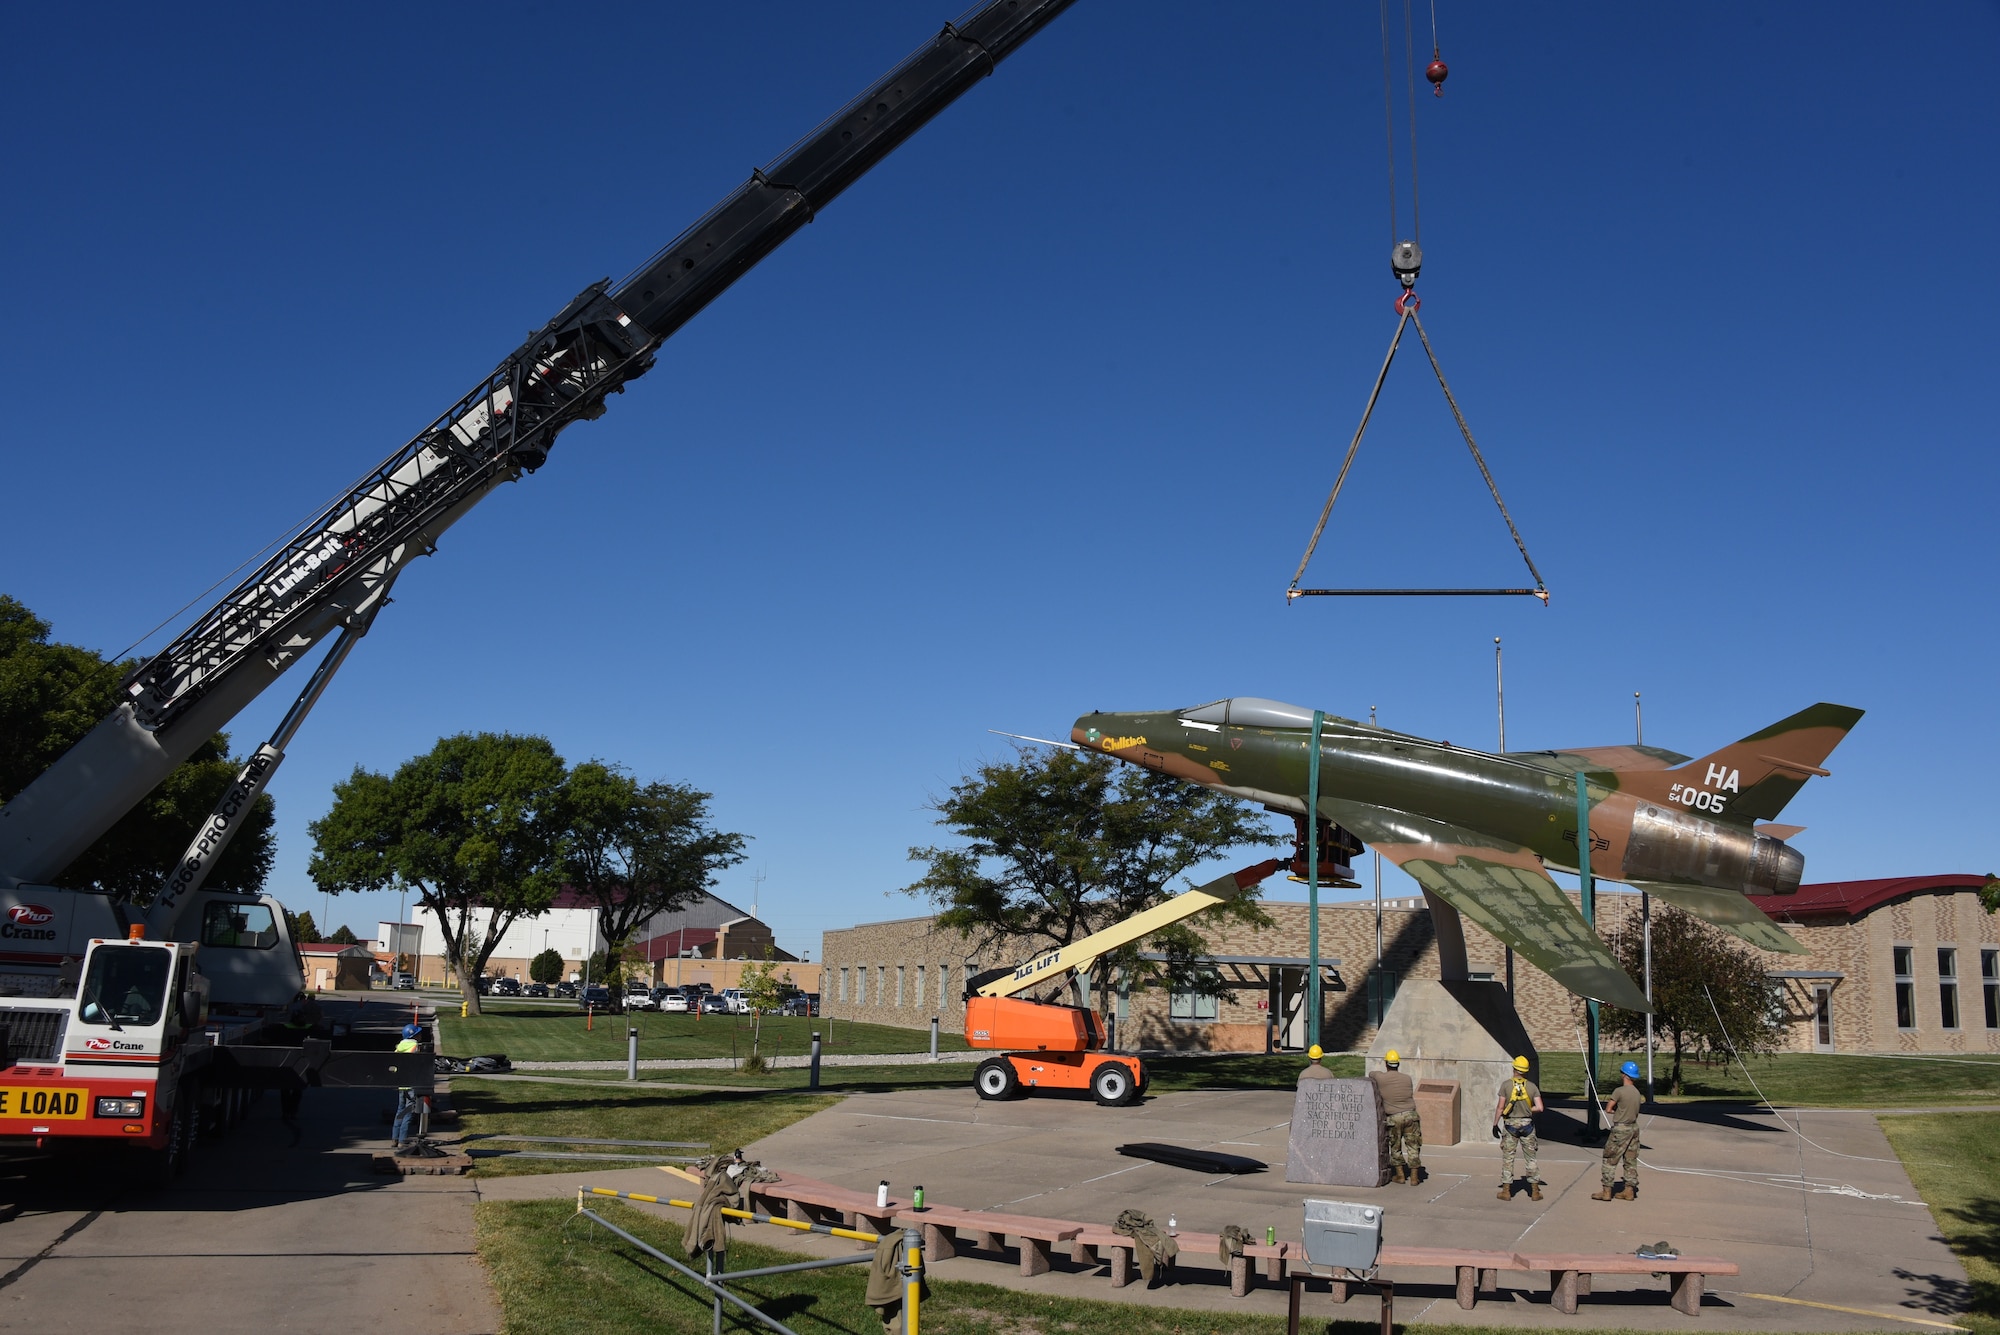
273,1228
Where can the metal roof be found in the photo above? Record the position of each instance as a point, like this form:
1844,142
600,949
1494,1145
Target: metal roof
1848,900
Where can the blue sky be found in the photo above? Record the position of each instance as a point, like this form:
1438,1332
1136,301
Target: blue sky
1037,417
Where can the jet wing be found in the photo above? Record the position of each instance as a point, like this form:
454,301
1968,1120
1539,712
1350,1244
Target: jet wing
1731,910
1501,886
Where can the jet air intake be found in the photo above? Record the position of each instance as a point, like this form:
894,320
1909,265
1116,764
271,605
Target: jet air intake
1668,845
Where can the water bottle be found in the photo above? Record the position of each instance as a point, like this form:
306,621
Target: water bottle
1173,1225
882,1194
1270,1235
917,1197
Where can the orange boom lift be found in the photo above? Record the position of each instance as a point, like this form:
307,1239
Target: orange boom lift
1062,1047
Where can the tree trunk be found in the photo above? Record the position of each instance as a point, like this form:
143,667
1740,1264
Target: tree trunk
614,975
1677,1063
468,989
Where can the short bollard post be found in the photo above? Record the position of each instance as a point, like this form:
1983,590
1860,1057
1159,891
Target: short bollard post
812,1076
913,1278
632,1053
934,1022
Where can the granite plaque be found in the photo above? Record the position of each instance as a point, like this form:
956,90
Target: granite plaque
1338,1137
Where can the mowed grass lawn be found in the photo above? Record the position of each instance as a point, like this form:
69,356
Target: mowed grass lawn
549,1033
722,1120
557,1271
1798,1079
1954,1161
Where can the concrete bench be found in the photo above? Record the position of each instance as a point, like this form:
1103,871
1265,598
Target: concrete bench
1477,1271
1094,1245
946,1228
809,1201
1570,1272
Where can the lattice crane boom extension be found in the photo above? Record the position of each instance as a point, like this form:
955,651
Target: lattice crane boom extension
1080,955
335,572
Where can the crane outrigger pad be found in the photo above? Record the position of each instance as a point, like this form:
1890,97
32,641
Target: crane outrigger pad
1201,1161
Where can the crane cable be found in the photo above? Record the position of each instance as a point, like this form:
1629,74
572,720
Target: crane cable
1407,306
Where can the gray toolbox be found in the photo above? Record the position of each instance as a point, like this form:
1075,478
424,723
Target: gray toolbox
1342,1234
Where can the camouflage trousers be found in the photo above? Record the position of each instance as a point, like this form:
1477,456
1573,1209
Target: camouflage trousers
1518,1136
1621,1156
1406,1140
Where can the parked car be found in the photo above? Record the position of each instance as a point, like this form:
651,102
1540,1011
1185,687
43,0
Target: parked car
568,989
404,982
535,990
713,1003
506,987
482,985
595,997
670,999
734,998
801,1003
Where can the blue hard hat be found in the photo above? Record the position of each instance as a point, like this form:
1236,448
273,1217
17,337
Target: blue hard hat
417,1031
1631,1069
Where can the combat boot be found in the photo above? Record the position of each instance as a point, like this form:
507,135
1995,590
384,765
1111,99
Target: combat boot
1628,1192
1506,1191
1416,1174
1396,1172
1534,1191
1603,1193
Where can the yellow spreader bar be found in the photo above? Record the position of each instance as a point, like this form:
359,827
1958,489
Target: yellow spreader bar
752,1216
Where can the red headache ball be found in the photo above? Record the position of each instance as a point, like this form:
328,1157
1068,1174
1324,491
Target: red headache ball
1437,73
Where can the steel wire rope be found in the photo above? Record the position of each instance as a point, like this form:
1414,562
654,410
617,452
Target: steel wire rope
1354,446
1410,86
1477,457
1389,122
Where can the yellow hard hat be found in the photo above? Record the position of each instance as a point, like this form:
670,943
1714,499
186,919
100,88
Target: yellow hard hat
1315,1052
1520,1063
1391,1057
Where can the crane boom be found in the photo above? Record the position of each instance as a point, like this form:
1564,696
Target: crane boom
334,573
1079,955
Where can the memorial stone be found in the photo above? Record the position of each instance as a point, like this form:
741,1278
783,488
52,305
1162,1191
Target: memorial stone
1338,1136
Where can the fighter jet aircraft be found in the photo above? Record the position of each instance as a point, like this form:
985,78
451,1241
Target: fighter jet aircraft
1479,831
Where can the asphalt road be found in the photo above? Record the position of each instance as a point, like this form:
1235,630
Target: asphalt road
272,1228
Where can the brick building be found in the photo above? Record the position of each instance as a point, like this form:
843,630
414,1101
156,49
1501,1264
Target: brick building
1878,949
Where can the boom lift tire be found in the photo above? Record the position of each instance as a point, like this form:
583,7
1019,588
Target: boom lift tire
1111,1084
995,1079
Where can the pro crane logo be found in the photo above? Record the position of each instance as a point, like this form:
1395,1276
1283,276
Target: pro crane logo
97,1044
27,922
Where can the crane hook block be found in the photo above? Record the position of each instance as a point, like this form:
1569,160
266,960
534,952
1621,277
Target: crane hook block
1437,72
1406,261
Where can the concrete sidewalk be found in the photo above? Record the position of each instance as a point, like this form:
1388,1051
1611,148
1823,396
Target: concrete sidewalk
1819,1223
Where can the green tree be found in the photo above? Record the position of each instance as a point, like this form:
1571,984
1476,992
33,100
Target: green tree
1989,893
474,828
1060,844
763,991
635,850
1709,995
51,695
343,935
546,967
305,931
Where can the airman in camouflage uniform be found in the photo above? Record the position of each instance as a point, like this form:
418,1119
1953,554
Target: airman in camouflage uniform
1399,1113
1621,1150
1514,1123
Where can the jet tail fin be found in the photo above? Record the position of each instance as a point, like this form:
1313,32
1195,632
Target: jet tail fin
1753,779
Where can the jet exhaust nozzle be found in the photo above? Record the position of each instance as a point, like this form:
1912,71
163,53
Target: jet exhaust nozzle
1776,868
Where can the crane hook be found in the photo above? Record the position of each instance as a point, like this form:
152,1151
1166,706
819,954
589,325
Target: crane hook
1437,72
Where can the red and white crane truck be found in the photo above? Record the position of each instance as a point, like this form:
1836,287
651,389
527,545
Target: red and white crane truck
137,1023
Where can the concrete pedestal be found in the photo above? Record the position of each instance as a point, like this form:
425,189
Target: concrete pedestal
1458,1030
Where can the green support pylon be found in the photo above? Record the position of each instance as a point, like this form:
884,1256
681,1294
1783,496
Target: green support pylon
1312,882
1588,887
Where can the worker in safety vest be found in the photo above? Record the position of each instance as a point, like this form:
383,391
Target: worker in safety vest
407,1104
1514,1124
1621,1150
1399,1111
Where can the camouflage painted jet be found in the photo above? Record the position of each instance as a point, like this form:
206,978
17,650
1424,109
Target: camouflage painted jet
1479,831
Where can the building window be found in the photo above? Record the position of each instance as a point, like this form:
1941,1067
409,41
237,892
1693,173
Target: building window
1948,986
881,985
1196,1002
919,993
899,987
861,985
843,984
1906,987
944,976
1989,974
